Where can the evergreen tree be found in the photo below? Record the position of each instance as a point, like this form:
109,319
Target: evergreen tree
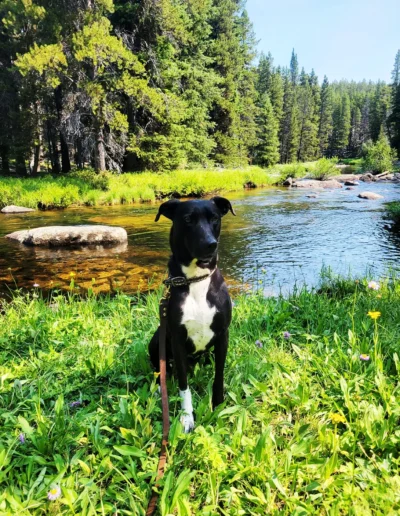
394,119
234,112
308,120
276,93
267,150
380,102
341,126
325,117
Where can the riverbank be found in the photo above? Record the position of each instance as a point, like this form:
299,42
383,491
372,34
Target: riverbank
310,422
393,211
86,188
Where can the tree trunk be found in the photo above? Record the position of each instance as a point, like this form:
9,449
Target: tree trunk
53,149
100,153
20,166
78,153
65,161
36,160
5,164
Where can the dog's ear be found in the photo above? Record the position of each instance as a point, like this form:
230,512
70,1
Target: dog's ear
167,209
223,205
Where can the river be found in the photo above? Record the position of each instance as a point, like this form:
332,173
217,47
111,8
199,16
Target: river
280,238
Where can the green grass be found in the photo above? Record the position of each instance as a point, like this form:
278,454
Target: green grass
87,188
355,162
393,211
273,447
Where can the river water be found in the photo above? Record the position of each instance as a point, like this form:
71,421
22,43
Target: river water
280,238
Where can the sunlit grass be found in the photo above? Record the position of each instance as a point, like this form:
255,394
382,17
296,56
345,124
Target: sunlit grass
86,188
309,425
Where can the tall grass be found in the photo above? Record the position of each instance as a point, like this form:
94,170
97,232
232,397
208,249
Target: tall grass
87,188
307,426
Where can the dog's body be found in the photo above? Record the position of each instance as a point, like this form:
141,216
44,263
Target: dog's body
199,312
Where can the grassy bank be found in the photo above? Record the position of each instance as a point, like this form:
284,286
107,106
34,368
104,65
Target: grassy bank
308,427
393,211
87,188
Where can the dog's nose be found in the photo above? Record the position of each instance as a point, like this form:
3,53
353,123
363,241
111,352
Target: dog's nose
212,245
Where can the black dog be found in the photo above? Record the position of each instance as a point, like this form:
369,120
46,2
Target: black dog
200,308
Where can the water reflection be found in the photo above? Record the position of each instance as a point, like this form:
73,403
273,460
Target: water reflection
282,231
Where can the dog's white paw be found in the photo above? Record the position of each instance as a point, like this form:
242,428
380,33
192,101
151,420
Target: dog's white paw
187,421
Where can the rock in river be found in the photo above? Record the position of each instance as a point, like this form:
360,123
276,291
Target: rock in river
313,183
59,236
15,209
372,196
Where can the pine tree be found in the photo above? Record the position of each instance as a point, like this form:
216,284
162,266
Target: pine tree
235,110
394,119
325,117
380,102
264,73
276,93
294,68
290,120
267,150
341,126
308,120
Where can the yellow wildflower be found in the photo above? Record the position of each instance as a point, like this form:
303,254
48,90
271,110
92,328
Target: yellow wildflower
156,375
72,274
374,315
337,418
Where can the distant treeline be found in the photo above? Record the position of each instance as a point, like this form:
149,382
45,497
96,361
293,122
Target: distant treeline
162,84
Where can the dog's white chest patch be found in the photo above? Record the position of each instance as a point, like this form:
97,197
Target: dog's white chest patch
198,315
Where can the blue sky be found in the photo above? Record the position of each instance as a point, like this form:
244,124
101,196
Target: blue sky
343,39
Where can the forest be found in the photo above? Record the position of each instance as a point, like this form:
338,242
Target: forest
131,85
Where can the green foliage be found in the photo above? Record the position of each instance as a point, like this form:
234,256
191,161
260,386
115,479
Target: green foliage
97,181
394,118
379,156
266,152
324,168
393,210
304,428
89,188
156,85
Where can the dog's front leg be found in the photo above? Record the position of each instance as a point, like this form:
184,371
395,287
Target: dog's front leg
220,351
180,358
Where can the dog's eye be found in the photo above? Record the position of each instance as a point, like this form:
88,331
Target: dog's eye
187,219
215,219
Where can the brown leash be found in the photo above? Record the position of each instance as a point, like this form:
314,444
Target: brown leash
164,400
178,281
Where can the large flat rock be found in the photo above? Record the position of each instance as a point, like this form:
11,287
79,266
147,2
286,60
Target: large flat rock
372,196
314,183
16,209
60,236
343,178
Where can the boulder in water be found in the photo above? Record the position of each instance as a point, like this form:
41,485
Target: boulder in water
372,196
60,236
16,209
314,183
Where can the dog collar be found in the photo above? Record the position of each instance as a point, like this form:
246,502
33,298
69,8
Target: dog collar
182,281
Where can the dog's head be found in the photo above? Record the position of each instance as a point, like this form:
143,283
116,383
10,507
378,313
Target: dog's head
196,226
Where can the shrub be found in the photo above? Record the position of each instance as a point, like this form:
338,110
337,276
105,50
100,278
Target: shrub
378,157
393,211
98,181
323,169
